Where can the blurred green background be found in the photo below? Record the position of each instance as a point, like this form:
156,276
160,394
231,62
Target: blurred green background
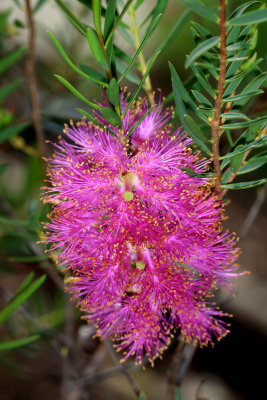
65,362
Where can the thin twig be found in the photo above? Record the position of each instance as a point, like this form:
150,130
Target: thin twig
181,360
215,123
123,370
30,70
107,373
143,66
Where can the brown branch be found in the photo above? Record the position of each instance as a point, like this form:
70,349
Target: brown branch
123,370
30,70
215,123
181,360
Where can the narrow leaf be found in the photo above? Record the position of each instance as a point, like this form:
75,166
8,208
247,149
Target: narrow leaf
18,342
3,168
109,18
201,49
111,117
125,8
89,116
152,62
244,185
72,18
253,164
182,112
240,125
94,75
139,122
244,95
16,301
147,34
241,149
7,61
201,99
70,63
28,259
113,92
97,15
6,90
253,17
181,88
96,48
8,133
199,8
76,93
234,115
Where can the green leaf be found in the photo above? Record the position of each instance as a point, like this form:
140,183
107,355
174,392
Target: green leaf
253,17
89,116
203,81
125,8
72,18
96,48
3,20
142,396
28,259
109,18
6,90
70,63
245,95
76,93
236,161
234,115
94,75
6,62
239,10
177,393
139,121
150,29
240,125
18,342
201,99
201,49
131,76
241,149
236,64
182,112
199,8
138,4
152,62
237,46
253,85
8,133
195,128
159,9
244,185
226,176
3,168
252,164
38,5
97,15
113,92
17,300
181,88
111,117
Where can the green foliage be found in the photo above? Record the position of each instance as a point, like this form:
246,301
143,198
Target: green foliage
243,81
24,292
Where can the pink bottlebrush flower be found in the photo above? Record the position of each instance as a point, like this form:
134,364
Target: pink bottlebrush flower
143,239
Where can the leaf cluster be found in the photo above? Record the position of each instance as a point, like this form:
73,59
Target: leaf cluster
195,102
